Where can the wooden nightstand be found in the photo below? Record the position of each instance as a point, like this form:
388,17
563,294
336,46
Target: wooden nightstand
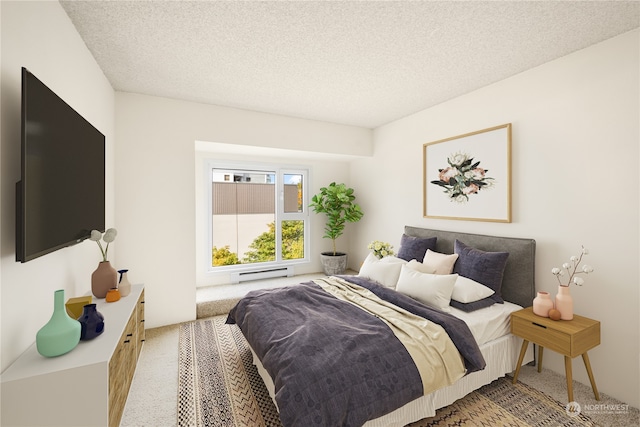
568,337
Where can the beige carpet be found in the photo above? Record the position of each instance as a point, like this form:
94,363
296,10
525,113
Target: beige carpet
153,396
219,386
217,300
502,403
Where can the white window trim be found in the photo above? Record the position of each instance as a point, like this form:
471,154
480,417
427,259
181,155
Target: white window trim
280,215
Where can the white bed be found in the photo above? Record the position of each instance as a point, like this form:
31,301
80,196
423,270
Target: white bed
490,327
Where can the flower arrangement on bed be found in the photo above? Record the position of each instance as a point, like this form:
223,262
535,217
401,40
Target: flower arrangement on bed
407,335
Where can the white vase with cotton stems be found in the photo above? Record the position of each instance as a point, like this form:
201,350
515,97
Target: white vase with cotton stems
564,300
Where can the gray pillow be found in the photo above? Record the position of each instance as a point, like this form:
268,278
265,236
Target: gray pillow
415,247
483,267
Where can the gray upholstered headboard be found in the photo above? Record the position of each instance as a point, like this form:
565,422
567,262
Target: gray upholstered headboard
518,283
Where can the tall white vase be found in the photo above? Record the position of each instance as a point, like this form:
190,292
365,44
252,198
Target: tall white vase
124,286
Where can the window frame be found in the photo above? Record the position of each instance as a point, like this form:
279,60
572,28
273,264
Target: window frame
280,169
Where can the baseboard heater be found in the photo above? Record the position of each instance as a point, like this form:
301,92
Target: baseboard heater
266,273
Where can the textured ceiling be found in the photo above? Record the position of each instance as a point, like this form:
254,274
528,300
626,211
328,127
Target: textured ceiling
361,63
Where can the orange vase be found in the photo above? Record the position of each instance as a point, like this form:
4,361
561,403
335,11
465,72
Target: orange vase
105,277
113,295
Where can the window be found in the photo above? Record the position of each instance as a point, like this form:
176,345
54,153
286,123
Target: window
258,216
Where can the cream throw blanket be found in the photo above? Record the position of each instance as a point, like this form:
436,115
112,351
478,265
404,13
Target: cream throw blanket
429,345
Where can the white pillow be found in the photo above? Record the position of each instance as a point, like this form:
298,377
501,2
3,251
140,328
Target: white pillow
418,266
440,263
433,290
466,290
384,271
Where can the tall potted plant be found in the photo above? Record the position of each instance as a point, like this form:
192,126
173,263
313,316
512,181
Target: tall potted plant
337,202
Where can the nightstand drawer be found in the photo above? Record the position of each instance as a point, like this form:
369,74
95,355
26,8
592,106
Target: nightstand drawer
542,335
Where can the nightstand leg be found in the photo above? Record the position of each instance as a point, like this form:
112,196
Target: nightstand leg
587,364
540,350
523,350
569,374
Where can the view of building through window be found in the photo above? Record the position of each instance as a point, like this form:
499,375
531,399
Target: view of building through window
257,216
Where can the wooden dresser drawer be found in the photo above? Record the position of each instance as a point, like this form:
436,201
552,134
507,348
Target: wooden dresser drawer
121,369
140,324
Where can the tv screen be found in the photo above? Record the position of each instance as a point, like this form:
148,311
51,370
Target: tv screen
61,195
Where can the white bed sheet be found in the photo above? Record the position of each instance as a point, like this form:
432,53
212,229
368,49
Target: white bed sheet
489,323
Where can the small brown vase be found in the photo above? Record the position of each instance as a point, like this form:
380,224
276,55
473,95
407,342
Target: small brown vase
104,278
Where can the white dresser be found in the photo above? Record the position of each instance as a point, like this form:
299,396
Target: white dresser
85,387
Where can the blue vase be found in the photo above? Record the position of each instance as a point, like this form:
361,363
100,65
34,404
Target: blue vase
91,323
61,334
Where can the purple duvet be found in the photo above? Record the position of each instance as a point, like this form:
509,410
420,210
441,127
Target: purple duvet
332,363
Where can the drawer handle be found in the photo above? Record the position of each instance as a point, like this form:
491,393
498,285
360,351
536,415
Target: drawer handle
538,324
142,321
127,341
129,335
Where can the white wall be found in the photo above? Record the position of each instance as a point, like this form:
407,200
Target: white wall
575,177
156,192
40,37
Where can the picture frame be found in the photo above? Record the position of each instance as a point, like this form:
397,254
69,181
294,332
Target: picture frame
468,177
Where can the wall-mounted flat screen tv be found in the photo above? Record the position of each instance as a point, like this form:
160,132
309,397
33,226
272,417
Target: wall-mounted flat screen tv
61,195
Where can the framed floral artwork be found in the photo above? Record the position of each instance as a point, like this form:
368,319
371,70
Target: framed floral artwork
468,177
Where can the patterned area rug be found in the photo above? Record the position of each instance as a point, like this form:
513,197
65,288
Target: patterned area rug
218,385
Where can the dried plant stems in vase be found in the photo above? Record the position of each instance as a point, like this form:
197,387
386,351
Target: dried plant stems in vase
105,277
564,300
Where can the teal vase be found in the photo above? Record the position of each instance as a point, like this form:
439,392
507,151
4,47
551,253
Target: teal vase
61,334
